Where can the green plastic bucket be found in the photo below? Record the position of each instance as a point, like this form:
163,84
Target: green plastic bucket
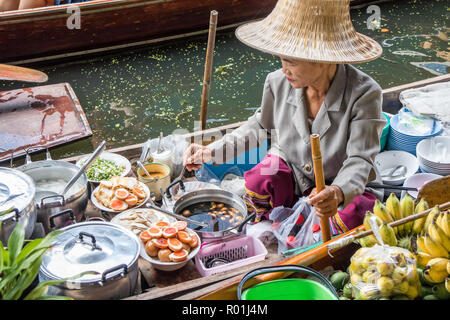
287,289
385,133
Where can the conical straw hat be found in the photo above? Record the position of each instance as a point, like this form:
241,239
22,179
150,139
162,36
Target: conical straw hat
310,30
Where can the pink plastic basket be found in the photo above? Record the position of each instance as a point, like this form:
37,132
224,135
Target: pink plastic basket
241,251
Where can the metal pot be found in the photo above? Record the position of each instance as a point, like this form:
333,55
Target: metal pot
53,211
216,195
17,192
107,249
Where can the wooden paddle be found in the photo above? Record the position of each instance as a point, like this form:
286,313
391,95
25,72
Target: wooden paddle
15,73
320,181
208,68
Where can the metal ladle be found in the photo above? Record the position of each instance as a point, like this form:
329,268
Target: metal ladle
145,170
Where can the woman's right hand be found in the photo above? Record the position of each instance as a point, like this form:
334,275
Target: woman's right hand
195,155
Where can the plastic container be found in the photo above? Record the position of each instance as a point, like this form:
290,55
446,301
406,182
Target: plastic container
241,251
385,133
288,289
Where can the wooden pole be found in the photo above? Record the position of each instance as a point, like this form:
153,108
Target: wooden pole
320,181
208,68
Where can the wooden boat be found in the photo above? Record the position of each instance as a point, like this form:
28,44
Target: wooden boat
187,282
39,34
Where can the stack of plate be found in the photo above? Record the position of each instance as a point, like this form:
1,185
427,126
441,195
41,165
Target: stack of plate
407,142
434,155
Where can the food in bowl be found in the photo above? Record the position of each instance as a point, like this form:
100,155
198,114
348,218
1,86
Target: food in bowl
169,244
103,169
120,193
139,220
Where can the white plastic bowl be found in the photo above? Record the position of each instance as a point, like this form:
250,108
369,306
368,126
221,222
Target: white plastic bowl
434,154
390,159
418,180
170,266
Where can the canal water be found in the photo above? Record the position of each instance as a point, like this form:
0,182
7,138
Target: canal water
131,96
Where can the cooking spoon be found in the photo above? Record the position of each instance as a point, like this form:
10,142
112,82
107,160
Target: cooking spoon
145,170
88,162
400,169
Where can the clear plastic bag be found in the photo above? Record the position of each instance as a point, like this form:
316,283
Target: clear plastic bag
410,123
290,231
384,272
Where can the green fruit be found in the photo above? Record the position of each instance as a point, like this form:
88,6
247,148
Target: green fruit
385,268
339,279
430,297
426,291
348,291
440,292
385,285
400,297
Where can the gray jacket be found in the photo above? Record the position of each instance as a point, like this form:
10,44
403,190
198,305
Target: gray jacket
349,123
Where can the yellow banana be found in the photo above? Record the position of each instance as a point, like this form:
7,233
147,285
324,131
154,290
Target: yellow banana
380,211
444,222
407,209
393,206
420,242
422,258
438,235
430,217
437,265
435,249
388,235
366,220
418,223
448,267
433,276
447,284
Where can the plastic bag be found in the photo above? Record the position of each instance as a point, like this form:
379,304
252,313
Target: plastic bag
173,145
233,183
384,272
294,227
409,123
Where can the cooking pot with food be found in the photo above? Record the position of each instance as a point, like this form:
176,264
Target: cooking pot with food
224,212
159,177
107,252
50,177
17,191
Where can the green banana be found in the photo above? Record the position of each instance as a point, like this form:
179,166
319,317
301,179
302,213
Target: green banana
418,223
407,209
368,241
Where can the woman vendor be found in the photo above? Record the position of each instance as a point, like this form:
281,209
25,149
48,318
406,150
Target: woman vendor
315,91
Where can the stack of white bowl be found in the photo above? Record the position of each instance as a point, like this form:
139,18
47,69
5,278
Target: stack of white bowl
433,155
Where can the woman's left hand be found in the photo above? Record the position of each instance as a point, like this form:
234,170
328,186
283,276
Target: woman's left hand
326,201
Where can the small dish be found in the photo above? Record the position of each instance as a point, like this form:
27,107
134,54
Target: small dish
418,180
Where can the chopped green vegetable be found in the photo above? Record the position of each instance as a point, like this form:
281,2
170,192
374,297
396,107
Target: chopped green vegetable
102,169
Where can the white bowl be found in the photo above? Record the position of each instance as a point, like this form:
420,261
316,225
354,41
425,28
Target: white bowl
106,209
435,151
116,158
170,266
418,180
390,159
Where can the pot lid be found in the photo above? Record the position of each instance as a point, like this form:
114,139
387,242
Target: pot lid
90,246
16,190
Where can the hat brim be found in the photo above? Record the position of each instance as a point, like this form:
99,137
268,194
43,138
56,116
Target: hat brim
358,49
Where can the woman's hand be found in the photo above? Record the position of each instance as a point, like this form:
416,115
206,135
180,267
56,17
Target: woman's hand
326,201
195,155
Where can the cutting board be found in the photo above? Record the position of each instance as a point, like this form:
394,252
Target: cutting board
40,117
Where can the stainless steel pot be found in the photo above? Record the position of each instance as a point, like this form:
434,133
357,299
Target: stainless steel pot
17,192
53,211
107,249
216,195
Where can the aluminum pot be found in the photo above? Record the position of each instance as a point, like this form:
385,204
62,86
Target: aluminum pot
107,249
54,211
216,195
17,192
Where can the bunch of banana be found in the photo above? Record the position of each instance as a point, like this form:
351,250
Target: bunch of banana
435,271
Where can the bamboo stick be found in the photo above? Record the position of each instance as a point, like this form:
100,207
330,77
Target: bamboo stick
208,68
320,181
349,239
